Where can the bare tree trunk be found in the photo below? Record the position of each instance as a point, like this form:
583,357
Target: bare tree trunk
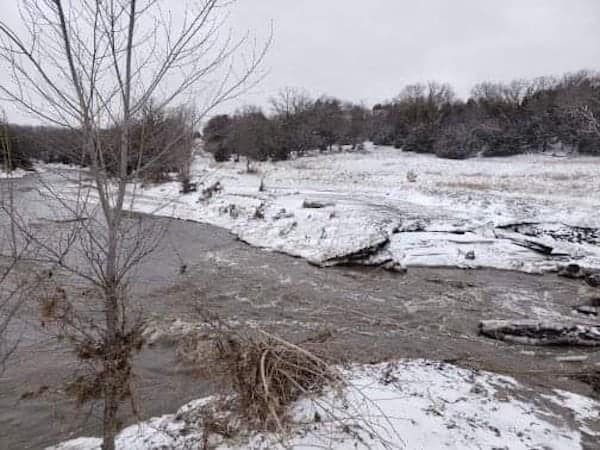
111,378
109,418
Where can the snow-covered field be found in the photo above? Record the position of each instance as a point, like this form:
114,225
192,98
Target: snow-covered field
383,205
407,404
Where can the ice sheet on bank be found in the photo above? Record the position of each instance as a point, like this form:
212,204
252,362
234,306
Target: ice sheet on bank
406,404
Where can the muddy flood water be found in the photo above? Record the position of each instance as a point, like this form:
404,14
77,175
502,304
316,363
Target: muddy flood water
371,314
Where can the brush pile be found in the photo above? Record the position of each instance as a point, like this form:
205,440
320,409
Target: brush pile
265,373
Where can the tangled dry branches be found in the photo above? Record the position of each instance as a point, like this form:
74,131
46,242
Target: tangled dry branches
268,374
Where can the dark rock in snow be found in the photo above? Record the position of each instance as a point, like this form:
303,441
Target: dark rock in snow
571,271
593,279
470,255
394,266
316,204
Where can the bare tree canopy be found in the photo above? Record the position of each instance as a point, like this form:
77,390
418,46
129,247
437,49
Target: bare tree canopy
74,62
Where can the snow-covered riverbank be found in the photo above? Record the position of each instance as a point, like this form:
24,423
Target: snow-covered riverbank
407,404
529,212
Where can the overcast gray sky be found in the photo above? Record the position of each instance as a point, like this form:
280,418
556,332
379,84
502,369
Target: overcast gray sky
368,49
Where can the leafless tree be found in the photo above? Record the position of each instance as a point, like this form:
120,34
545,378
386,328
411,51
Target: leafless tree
10,254
90,66
294,110
586,100
591,121
291,101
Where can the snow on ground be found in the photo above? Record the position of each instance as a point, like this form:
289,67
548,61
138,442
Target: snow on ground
407,404
532,213
38,167
455,213
17,173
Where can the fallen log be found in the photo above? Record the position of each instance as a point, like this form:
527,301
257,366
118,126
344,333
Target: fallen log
531,332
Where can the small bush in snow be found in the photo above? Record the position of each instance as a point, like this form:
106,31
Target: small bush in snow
211,190
231,210
259,212
283,214
268,374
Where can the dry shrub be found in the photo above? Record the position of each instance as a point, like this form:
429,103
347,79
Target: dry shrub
211,191
265,373
268,374
197,349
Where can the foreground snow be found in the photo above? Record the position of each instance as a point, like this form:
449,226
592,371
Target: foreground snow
408,404
456,213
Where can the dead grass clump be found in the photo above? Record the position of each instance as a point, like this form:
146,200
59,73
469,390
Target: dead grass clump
268,374
211,191
196,350
473,186
265,373
262,377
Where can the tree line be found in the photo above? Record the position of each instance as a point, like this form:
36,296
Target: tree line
498,119
160,143
296,124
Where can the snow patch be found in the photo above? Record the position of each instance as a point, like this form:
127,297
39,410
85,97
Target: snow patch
17,173
405,404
